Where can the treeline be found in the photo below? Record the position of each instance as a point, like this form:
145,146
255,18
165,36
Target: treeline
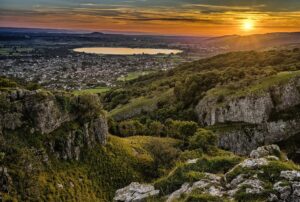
170,128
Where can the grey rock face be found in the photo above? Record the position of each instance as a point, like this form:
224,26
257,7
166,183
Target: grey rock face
93,132
269,150
42,112
251,117
46,115
245,138
253,108
135,192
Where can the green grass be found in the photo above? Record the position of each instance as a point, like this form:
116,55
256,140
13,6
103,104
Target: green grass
258,87
134,75
140,104
91,91
95,177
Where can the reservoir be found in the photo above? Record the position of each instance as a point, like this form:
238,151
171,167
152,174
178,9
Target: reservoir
126,51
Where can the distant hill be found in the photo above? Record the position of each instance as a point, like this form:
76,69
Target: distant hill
257,41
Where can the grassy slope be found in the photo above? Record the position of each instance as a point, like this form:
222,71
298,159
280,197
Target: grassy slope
91,91
258,87
141,102
236,73
134,75
95,177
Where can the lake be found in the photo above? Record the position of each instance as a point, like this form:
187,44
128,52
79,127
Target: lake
125,51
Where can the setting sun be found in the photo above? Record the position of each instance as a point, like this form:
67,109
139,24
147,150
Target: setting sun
248,25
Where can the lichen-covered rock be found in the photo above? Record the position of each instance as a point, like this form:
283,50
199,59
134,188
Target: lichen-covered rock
135,192
290,175
254,163
264,151
254,186
283,189
176,194
210,184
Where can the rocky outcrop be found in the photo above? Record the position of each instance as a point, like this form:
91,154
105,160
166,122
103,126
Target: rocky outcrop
210,184
135,192
256,118
38,109
242,139
47,113
269,150
71,146
256,176
253,108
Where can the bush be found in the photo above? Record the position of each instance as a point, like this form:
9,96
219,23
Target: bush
195,86
131,128
203,139
181,129
203,198
88,106
163,155
155,128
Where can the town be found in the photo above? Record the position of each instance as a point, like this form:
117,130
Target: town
79,70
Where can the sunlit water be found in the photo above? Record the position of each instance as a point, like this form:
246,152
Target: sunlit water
126,51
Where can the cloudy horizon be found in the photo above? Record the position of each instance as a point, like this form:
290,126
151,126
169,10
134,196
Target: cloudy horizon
173,17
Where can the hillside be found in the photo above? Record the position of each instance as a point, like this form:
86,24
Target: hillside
195,133
244,99
254,42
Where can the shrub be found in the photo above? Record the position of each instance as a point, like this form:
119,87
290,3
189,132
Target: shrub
203,198
181,129
88,106
155,128
131,128
163,154
203,139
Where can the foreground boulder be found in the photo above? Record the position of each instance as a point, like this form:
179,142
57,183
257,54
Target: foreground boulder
135,192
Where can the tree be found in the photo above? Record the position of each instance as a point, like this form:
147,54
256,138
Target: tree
130,128
203,139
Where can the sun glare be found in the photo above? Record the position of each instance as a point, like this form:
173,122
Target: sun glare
248,25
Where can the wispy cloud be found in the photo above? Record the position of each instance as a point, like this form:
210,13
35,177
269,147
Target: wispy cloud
180,16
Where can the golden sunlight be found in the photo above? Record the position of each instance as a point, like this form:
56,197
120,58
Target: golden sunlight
248,25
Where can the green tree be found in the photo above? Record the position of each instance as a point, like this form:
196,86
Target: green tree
131,128
203,139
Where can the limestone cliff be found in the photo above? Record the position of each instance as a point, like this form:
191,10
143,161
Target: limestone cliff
69,122
264,114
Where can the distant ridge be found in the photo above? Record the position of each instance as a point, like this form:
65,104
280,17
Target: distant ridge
255,41
39,30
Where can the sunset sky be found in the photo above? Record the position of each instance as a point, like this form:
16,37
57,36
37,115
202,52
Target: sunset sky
171,17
